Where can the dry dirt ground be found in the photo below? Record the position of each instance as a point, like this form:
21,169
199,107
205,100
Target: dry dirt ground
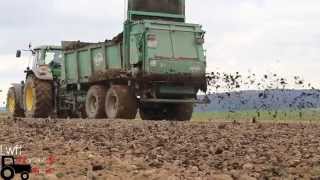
120,149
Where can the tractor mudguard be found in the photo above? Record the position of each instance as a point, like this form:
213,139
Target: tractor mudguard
18,88
43,72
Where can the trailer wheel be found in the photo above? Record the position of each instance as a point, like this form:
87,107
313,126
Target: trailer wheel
24,175
95,102
38,100
7,173
181,112
120,103
153,114
13,107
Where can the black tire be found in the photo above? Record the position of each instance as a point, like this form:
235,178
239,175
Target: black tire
152,113
171,112
13,107
41,93
6,176
181,112
95,102
24,175
121,103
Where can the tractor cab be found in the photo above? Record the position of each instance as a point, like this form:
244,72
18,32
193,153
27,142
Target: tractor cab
49,57
7,161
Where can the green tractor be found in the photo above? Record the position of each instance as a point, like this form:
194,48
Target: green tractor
35,97
157,65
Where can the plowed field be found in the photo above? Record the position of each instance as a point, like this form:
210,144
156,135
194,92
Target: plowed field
121,149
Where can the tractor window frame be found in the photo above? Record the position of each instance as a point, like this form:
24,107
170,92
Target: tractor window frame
37,58
8,161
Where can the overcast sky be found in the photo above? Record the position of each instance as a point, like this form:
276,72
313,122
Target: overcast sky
262,36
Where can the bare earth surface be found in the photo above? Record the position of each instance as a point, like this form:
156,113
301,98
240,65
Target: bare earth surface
120,149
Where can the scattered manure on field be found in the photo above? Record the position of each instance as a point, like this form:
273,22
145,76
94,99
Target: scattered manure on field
267,95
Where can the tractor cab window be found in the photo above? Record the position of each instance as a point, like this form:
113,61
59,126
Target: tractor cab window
8,161
53,57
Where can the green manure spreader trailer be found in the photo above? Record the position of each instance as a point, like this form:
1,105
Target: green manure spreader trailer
156,65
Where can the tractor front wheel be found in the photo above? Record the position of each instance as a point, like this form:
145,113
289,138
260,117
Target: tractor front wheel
38,100
7,173
24,175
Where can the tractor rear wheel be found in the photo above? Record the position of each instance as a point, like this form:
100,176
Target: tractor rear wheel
7,173
120,103
95,102
13,106
38,100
